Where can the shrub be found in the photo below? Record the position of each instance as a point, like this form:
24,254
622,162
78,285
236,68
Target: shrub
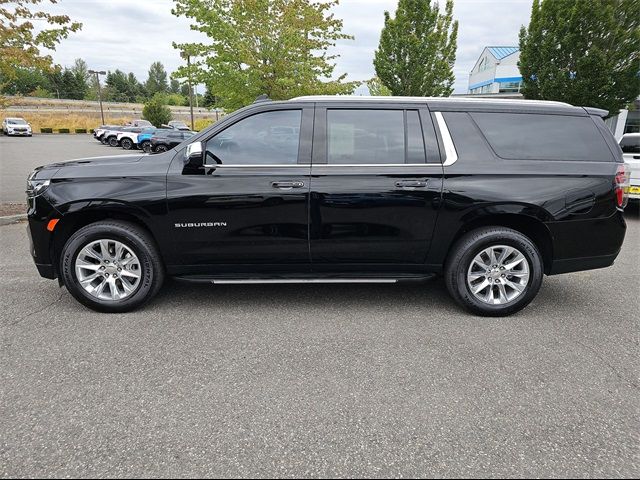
81,130
63,130
202,123
156,111
46,130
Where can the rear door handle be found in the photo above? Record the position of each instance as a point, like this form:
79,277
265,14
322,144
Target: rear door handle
287,185
411,183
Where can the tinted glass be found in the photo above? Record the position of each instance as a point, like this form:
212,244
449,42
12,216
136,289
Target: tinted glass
630,144
365,136
415,140
270,138
543,137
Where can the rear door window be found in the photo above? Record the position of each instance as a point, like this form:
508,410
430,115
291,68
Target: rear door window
522,136
630,144
361,137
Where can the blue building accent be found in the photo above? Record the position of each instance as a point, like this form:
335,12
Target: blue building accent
502,52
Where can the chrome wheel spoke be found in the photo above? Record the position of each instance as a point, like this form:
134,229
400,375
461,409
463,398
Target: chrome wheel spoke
129,273
481,286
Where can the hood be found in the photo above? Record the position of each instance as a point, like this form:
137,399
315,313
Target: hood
48,171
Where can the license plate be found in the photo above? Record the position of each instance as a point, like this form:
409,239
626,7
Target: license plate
634,189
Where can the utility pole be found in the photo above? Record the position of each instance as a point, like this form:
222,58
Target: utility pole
97,74
184,54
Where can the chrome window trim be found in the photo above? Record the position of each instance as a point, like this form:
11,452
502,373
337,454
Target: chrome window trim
263,165
331,165
449,148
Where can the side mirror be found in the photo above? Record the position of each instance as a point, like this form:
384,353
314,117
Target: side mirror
193,155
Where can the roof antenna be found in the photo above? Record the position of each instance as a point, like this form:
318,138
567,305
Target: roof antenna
262,98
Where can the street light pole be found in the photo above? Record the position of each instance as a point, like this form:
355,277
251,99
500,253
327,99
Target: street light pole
97,74
188,57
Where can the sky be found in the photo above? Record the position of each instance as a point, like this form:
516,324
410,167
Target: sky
131,34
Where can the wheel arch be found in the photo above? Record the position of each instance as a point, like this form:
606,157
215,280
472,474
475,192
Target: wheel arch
73,221
531,227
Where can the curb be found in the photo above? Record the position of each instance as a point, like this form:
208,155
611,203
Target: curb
8,220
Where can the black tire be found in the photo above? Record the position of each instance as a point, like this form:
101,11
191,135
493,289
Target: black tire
468,247
146,146
126,143
113,141
136,239
161,148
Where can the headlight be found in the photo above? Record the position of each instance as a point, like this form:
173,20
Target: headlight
36,187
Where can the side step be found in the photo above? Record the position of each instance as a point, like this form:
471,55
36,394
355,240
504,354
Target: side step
294,280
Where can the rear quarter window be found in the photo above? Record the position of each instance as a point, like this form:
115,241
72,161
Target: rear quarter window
523,136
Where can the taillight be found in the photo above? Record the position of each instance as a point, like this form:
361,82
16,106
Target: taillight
622,181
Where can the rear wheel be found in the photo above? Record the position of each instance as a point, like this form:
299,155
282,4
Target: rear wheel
111,266
494,271
127,143
161,148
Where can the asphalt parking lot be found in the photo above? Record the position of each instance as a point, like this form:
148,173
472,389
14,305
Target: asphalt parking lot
349,380
20,155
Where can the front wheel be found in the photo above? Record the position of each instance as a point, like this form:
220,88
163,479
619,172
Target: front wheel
111,266
161,148
113,142
127,143
494,271
146,146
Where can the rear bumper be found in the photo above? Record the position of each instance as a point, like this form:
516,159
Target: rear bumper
579,264
586,244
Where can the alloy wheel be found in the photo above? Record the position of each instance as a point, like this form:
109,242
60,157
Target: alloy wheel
108,270
498,275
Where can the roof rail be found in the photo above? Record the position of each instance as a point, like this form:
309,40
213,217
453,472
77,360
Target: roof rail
339,98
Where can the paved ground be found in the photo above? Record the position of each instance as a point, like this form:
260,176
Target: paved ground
320,380
20,155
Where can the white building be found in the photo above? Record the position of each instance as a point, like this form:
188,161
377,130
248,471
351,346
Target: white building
496,71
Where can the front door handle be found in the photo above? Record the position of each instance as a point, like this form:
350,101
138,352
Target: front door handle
287,185
411,183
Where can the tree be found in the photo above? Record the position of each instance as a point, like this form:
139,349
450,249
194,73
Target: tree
157,81
279,48
174,87
22,36
417,49
583,53
25,81
377,89
156,111
123,87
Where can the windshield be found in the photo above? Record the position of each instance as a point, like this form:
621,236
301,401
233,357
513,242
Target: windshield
16,121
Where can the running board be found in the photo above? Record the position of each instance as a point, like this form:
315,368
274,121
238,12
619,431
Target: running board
259,281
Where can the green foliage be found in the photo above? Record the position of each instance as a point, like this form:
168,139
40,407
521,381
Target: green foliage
157,81
156,111
582,52
278,47
176,99
81,130
23,32
417,49
46,130
174,87
41,92
24,81
122,87
377,88
63,130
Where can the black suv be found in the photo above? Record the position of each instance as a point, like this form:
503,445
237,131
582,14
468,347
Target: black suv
491,194
164,140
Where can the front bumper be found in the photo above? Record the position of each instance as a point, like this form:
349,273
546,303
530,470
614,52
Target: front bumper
40,239
19,133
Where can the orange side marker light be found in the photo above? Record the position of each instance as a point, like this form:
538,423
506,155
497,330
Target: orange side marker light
52,224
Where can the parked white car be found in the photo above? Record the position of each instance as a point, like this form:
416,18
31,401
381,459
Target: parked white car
127,140
16,126
630,144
